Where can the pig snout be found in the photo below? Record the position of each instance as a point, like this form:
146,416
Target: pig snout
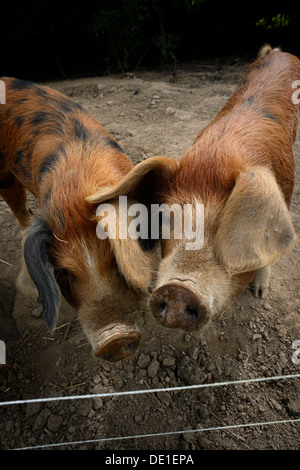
117,343
176,306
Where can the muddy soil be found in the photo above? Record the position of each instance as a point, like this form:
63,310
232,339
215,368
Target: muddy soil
157,113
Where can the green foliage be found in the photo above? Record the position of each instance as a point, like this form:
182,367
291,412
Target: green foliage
133,28
120,25
193,4
130,30
281,20
42,39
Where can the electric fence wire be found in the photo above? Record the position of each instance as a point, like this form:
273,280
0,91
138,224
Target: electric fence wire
155,390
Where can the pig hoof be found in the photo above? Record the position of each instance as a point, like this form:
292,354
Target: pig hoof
260,282
176,306
118,346
257,292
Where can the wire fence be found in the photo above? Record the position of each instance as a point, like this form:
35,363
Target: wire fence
155,390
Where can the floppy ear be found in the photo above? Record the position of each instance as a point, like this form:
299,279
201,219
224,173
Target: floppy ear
123,223
136,265
37,238
141,182
256,226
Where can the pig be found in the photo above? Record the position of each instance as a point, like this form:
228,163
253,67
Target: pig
52,148
241,169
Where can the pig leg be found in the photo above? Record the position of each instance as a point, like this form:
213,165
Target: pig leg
24,282
14,194
260,282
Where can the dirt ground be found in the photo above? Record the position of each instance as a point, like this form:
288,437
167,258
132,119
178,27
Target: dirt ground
155,113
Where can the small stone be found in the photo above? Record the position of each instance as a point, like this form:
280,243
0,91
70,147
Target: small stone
168,362
188,337
267,306
98,389
256,336
275,404
283,360
166,398
85,408
170,111
32,409
143,361
183,115
294,407
54,423
98,403
153,368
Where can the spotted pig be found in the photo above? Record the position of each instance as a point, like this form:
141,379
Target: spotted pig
241,168
52,148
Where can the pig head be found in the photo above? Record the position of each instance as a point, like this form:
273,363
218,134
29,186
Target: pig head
241,169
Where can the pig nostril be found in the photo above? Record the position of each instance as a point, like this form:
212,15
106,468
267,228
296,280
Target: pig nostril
133,345
177,306
130,347
192,312
118,346
162,308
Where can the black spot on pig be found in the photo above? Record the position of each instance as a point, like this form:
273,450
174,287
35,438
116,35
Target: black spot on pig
48,164
19,120
80,131
114,145
7,182
17,84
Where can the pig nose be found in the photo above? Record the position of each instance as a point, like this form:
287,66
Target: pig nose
118,343
176,306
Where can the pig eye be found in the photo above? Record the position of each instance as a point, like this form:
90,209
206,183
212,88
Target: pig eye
65,280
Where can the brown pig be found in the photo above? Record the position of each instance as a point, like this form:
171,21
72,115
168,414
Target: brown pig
51,147
241,168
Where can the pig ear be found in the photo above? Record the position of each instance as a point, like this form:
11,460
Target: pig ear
140,182
37,239
136,265
256,226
